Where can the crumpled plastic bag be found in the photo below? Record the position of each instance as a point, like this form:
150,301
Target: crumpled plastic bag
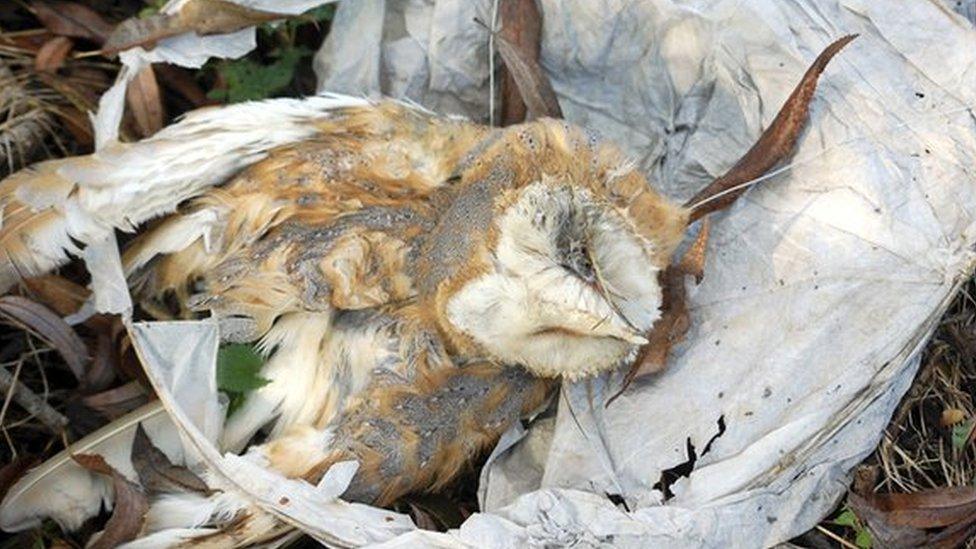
822,284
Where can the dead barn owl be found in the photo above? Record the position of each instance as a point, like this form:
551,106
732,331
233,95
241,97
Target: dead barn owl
417,281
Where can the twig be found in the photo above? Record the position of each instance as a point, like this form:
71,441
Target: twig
26,123
836,538
9,393
491,63
29,401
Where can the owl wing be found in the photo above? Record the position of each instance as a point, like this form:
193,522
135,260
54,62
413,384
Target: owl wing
326,223
319,199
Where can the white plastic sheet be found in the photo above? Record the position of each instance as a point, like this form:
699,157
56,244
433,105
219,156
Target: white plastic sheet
821,286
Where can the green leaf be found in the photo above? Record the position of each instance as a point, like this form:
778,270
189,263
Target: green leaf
238,369
152,8
846,518
960,434
863,538
248,80
317,15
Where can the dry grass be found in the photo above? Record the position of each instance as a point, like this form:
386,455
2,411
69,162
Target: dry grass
928,443
918,451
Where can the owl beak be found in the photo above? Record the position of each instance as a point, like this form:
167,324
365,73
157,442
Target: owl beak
618,327
634,337
628,332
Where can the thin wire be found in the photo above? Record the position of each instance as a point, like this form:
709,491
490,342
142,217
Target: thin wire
807,160
491,63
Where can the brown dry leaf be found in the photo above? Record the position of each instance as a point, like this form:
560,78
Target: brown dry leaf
693,262
951,416
182,82
57,292
422,519
775,144
145,102
104,365
130,506
200,16
220,16
116,402
72,19
80,88
521,26
11,472
884,533
78,125
48,326
668,331
927,509
29,43
143,32
52,54
129,363
157,473
436,512
521,60
908,520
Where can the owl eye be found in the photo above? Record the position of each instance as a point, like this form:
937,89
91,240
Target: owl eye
577,260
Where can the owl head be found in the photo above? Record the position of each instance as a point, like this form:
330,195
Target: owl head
552,243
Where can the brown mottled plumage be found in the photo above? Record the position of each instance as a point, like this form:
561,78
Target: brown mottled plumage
390,212
417,282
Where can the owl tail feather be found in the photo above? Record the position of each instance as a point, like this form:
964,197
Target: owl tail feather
775,144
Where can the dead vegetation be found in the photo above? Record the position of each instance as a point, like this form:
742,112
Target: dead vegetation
917,489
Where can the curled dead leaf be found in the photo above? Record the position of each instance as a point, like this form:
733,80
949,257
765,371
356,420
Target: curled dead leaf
944,518
56,292
221,16
29,43
130,508
927,509
52,54
200,16
519,49
48,326
71,19
145,102
182,82
157,473
668,331
533,85
775,144
118,401
11,472
521,26
693,261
